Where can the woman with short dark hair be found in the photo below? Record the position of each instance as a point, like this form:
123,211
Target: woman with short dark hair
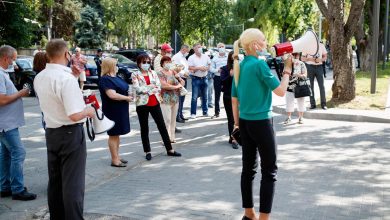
171,83
147,87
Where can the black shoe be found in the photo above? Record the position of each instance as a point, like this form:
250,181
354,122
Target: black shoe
148,156
184,118
174,154
235,145
4,194
24,196
324,107
179,120
215,116
177,130
312,107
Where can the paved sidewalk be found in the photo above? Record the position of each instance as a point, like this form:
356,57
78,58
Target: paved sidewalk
375,116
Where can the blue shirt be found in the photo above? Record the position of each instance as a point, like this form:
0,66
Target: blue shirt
12,114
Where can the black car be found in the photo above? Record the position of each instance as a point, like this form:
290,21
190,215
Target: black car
23,75
91,71
132,54
125,66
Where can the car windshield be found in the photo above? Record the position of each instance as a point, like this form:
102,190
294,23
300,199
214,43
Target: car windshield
91,61
121,59
24,63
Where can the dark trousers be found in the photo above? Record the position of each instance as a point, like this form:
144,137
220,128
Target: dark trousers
227,102
316,71
258,136
181,103
143,117
66,158
217,93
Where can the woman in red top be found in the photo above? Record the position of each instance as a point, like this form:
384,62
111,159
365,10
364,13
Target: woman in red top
147,87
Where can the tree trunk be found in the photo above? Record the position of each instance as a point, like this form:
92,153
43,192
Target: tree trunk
175,22
363,42
50,23
343,87
341,33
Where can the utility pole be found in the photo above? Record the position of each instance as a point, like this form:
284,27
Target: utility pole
386,34
374,57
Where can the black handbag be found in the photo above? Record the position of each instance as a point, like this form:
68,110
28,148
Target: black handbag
236,135
302,89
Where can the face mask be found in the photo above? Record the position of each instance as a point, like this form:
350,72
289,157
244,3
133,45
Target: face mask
168,66
222,50
116,69
200,50
145,66
186,54
168,54
69,61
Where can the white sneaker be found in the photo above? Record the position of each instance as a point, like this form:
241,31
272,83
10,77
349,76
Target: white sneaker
193,116
300,121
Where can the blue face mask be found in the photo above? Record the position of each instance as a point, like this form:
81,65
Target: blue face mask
145,66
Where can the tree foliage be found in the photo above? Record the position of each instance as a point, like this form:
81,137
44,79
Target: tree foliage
89,30
290,17
16,26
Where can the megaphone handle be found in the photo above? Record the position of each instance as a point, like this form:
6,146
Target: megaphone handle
97,114
91,134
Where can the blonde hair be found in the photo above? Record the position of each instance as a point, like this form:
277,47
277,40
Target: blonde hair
108,66
249,41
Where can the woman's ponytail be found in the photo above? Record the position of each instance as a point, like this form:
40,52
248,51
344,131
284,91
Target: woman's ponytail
236,65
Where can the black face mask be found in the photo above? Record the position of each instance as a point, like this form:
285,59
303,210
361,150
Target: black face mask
69,61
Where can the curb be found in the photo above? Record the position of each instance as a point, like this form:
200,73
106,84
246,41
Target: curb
326,115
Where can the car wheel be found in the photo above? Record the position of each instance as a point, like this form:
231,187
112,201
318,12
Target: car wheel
30,86
122,76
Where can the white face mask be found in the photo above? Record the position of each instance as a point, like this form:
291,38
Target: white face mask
168,54
168,66
222,50
200,50
145,66
186,54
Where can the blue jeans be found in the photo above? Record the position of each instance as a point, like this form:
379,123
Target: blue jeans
199,86
12,156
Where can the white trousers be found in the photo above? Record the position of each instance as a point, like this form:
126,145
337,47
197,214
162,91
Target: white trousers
290,103
169,112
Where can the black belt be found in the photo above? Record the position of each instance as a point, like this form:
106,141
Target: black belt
72,125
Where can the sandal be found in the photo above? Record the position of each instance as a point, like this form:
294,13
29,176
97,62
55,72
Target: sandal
118,165
124,161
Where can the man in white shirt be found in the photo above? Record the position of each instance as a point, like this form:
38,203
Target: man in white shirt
314,70
218,61
166,50
64,111
199,65
180,60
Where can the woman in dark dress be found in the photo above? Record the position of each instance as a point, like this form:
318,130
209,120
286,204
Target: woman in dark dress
227,80
115,106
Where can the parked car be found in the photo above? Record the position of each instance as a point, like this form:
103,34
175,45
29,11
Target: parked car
22,75
91,71
125,66
132,54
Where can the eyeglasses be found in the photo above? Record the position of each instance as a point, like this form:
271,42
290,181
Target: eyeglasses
146,62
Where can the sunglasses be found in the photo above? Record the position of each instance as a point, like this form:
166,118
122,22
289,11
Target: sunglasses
146,62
